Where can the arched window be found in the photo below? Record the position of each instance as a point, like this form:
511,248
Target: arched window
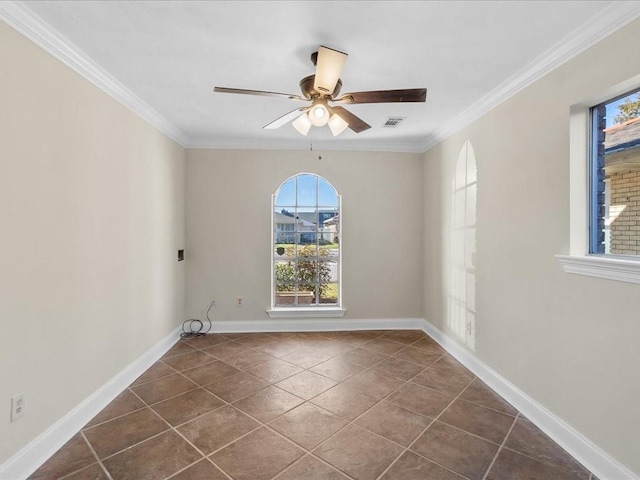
306,244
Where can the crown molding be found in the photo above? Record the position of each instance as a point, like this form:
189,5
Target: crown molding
27,23
304,144
613,18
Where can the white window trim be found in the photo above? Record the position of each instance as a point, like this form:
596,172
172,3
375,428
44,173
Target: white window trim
306,312
602,266
579,261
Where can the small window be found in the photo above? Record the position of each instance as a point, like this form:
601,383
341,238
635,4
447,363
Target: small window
614,219
306,243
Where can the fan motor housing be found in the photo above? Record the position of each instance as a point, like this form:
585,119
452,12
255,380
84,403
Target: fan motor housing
306,86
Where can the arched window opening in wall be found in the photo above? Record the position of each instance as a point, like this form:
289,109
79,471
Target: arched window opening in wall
462,281
306,246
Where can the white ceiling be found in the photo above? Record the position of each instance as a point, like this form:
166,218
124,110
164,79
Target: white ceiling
168,56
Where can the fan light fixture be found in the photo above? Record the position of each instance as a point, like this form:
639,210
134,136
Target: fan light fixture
337,124
319,114
302,124
324,87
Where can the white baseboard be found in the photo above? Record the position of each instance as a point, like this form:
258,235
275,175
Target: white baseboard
315,325
584,451
28,459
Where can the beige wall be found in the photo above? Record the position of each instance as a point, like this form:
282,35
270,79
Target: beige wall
228,229
91,211
568,341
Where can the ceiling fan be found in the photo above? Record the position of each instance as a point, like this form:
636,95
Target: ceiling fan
324,88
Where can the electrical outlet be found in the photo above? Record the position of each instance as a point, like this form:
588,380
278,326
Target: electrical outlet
17,406
239,302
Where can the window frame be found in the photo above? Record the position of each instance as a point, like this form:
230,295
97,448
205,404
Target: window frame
311,310
580,260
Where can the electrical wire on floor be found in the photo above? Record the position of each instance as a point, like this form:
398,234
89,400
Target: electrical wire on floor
194,327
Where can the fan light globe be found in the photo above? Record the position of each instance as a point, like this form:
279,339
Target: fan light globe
302,124
337,124
319,115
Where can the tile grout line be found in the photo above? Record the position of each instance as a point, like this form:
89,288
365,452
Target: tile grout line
408,447
495,457
290,466
89,427
171,427
180,372
95,454
538,460
405,382
134,384
310,452
175,429
353,346
174,371
204,459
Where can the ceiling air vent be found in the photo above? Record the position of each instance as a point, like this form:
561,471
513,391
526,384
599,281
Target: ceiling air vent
393,122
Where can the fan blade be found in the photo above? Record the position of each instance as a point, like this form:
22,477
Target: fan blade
257,92
355,123
328,68
385,96
286,118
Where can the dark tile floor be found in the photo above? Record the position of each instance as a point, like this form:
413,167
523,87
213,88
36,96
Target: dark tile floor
389,405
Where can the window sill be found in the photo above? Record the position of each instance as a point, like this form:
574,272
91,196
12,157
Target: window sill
329,312
608,267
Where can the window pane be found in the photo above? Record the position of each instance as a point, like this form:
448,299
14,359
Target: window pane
307,271
328,293
328,270
285,274
306,219
615,185
327,195
286,194
285,297
307,190
328,226
283,226
310,250
329,250
284,251
306,293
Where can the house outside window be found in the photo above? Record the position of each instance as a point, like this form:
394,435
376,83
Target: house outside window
306,247
614,220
